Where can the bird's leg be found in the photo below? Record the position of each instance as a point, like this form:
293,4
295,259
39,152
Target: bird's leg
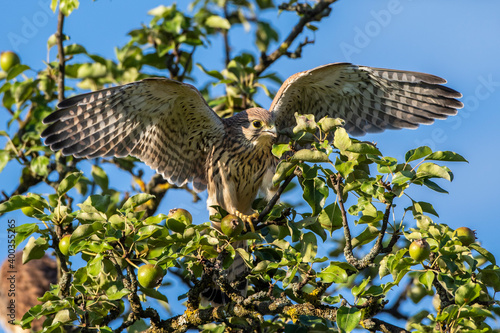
247,219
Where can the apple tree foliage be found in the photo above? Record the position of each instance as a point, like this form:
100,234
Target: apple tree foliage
332,261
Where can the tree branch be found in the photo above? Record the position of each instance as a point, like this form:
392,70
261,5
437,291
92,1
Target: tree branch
320,10
60,52
279,306
377,248
336,181
374,325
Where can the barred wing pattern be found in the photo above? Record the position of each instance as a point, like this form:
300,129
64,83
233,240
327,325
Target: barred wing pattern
368,99
165,123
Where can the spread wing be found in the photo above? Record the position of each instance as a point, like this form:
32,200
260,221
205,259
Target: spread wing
368,99
165,123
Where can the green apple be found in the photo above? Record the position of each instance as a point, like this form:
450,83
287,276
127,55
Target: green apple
8,59
178,219
64,244
465,235
181,214
231,225
420,250
149,276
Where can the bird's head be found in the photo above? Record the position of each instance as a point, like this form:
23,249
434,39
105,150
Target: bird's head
256,126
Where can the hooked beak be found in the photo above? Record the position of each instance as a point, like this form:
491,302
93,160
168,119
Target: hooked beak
271,130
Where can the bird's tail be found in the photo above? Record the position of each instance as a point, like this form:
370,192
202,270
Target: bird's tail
214,295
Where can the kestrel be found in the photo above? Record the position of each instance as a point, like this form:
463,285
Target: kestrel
168,124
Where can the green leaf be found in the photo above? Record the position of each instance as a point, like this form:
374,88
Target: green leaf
23,91
137,200
447,156
147,232
283,170
53,5
490,257
467,293
432,170
345,168
330,217
309,247
24,231
305,123
68,183
67,6
308,155
16,70
40,165
97,202
315,193
153,293
423,207
386,164
264,35
348,318
64,316
433,186
333,273
417,153
426,279
280,149
212,73
341,139
114,293
15,202
383,268
85,230
94,266
20,201
327,124
402,177
100,177
74,49
35,249
94,70
217,22
358,289
4,158
364,148
369,234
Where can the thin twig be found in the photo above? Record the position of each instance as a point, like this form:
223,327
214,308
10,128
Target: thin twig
337,181
374,325
309,16
225,34
275,198
377,248
60,51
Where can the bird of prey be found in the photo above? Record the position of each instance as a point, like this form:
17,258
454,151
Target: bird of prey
168,124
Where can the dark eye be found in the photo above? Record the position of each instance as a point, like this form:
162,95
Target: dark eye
257,123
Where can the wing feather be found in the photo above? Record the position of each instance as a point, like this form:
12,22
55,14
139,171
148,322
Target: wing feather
166,124
368,99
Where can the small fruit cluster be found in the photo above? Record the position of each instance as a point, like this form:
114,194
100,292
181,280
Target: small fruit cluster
420,249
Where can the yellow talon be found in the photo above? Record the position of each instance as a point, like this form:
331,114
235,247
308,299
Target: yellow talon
248,219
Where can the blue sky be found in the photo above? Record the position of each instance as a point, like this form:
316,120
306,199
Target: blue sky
457,40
